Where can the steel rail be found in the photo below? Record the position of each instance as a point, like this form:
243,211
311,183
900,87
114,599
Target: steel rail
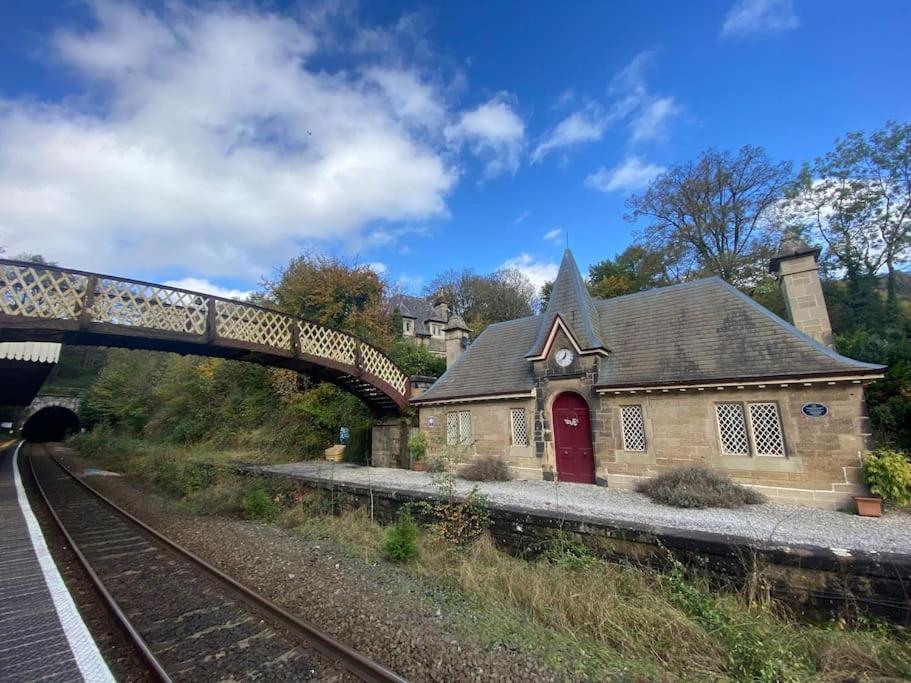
358,664
137,640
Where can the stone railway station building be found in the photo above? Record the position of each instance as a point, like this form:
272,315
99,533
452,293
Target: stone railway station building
606,392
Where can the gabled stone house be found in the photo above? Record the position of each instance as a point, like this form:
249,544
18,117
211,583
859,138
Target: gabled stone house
606,392
429,323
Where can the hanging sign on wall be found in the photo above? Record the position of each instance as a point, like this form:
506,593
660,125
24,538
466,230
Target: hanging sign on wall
815,409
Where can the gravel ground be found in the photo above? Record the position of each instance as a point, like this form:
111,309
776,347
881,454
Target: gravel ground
767,523
373,607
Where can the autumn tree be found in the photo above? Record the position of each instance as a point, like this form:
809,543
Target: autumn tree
344,296
713,214
485,299
634,269
857,199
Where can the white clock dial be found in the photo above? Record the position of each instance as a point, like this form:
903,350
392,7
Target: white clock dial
564,357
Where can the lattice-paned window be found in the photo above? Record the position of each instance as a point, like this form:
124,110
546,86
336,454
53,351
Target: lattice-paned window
766,429
452,428
633,428
518,426
732,428
464,426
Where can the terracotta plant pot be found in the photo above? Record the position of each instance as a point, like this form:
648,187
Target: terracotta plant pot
869,507
419,466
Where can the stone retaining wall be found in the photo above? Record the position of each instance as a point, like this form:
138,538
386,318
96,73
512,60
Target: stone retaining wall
816,582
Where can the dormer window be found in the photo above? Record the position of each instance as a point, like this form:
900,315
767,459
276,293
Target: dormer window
436,329
408,326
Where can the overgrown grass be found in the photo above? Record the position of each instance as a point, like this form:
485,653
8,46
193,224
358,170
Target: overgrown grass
591,619
698,487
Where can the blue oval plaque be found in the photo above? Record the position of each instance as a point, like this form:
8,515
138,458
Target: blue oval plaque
815,409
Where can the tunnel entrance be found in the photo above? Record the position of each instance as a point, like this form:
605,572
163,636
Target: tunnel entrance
53,423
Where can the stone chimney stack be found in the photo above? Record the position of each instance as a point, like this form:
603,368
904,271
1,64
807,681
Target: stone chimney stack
796,266
456,339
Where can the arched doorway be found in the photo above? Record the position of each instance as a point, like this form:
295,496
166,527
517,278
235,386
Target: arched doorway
53,423
573,439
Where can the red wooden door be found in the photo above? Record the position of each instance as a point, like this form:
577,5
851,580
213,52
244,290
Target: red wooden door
573,439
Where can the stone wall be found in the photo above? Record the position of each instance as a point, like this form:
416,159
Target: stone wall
491,432
821,466
389,443
816,582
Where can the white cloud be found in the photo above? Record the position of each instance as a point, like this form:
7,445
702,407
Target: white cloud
377,267
630,174
537,272
651,121
522,217
410,283
576,128
553,235
214,140
195,284
629,99
494,132
759,17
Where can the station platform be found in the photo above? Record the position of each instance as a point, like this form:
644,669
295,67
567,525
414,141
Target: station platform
42,635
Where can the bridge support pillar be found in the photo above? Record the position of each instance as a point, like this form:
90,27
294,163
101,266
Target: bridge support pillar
390,442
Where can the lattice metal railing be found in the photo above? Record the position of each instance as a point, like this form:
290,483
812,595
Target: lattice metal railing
47,292
253,325
137,304
378,365
35,291
324,342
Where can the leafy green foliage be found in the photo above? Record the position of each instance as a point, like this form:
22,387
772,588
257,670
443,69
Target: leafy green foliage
697,487
888,399
635,269
401,538
415,359
888,474
564,552
417,446
754,650
258,504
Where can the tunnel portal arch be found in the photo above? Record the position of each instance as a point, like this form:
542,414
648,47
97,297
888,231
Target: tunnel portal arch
52,423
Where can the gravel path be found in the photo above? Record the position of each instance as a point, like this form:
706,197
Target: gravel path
767,523
373,607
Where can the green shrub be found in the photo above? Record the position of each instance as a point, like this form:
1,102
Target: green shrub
888,475
258,504
401,538
417,446
486,468
698,487
166,475
436,465
569,554
196,476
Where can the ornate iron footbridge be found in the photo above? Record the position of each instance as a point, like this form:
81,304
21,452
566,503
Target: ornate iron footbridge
46,303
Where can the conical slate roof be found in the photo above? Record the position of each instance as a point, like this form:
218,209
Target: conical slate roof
570,300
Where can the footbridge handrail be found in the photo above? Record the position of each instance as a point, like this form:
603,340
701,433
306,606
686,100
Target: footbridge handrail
79,300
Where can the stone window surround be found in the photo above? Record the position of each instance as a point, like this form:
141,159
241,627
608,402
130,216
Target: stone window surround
625,437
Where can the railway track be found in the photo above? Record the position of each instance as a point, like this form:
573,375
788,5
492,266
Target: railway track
188,620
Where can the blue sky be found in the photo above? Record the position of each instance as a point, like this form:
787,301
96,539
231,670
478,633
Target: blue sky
207,144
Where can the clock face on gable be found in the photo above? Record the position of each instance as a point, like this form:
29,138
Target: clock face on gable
564,357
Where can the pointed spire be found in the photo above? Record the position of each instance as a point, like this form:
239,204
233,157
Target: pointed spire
570,300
